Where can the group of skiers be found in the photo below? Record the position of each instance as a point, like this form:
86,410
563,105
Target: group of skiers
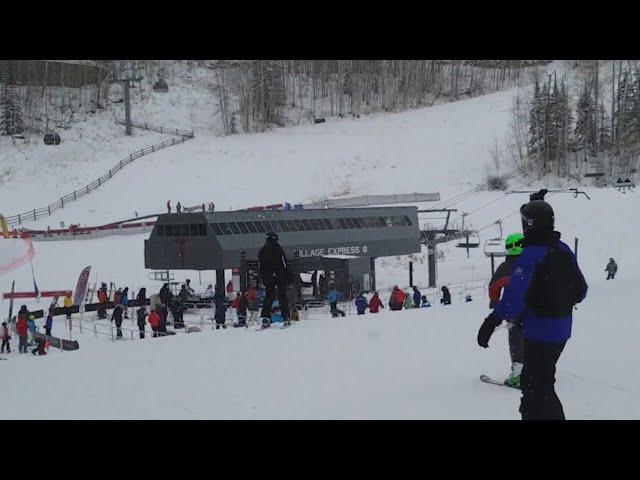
210,207
541,283
25,328
397,301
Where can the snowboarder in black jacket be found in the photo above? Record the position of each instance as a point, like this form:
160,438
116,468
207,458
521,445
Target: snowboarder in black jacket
142,315
117,316
446,296
274,273
611,269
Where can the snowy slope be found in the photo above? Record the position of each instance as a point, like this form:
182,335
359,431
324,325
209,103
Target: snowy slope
442,148
400,365
34,175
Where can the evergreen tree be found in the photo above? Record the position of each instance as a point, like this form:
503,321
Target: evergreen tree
586,125
604,129
624,119
11,122
536,119
564,121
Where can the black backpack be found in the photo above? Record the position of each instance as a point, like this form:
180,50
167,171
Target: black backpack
556,286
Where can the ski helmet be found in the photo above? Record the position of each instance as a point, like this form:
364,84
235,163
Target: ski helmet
537,215
272,236
513,244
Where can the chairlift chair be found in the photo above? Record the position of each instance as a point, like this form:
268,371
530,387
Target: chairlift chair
624,185
495,247
51,138
160,86
469,241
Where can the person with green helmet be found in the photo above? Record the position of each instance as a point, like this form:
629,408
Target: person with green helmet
500,279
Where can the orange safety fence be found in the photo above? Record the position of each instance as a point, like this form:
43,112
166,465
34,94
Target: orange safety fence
18,256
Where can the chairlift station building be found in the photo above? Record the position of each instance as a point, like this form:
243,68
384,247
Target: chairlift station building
343,241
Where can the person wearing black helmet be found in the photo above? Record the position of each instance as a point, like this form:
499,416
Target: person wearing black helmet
274,273
543,288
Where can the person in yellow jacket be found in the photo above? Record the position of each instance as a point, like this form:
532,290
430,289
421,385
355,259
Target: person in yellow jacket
68,304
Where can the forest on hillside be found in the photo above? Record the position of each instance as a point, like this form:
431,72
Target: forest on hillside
253,95
583,124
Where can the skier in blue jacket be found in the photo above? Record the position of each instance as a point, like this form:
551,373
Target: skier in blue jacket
361,303
124,301
543,305
333,296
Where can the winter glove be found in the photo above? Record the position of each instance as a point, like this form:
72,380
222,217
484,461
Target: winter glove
492,304
486,329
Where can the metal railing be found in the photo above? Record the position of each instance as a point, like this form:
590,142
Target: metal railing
157,128
32,215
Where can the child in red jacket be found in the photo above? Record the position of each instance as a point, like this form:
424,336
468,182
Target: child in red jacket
375,304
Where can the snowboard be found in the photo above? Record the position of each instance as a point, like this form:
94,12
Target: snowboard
281,326
488,379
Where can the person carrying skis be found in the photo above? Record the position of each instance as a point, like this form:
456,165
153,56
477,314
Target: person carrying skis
545,285
500,279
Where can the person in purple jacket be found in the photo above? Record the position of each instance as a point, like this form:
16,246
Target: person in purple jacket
544,287
417,296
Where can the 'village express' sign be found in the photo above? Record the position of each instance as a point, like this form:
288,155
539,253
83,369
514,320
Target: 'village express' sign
321,252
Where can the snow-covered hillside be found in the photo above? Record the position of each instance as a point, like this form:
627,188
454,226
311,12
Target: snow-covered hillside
443,148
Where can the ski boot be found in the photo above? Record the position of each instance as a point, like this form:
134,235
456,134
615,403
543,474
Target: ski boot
513,381
514,378
266,323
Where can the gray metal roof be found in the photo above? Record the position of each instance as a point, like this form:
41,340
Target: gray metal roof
221,236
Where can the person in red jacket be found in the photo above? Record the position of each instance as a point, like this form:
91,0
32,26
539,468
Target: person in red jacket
375,304
154,321
500,279
22,329
397,299
102,300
